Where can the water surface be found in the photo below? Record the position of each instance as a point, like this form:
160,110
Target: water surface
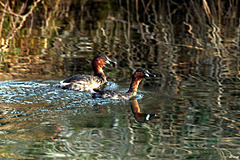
189,111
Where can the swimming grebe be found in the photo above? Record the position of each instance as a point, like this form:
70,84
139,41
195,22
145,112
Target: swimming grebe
132,92
88,82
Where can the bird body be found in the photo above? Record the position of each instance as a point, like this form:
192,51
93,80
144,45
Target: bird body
88,82
132,91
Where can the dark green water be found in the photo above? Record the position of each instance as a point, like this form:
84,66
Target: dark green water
192,106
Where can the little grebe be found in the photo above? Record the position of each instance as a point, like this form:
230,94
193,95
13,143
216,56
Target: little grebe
132,92
88,82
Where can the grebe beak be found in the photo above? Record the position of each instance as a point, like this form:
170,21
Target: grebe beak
113,63
150,75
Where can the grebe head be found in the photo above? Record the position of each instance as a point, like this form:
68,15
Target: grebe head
100,60
137,78
143,73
